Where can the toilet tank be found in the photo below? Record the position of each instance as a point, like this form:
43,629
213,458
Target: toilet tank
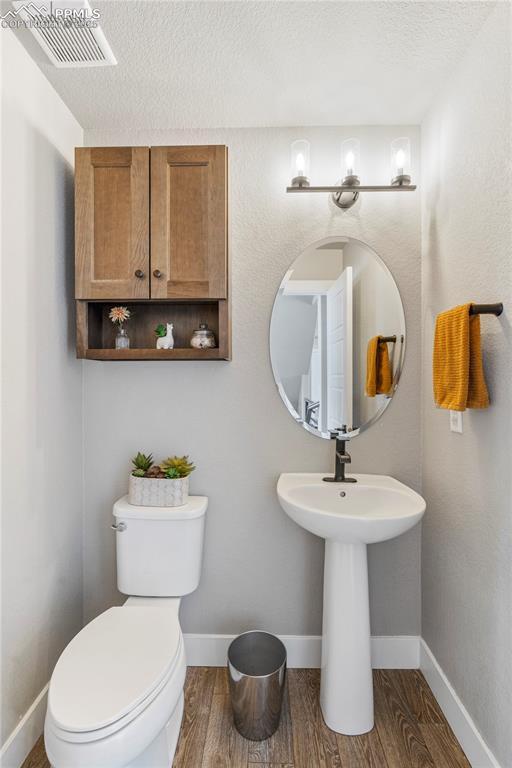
159,549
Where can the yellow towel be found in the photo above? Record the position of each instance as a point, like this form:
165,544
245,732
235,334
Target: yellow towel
458,372
379,378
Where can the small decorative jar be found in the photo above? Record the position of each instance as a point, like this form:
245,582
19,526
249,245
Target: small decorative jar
203,338
122,339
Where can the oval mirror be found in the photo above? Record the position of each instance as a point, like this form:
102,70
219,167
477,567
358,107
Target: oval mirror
337,337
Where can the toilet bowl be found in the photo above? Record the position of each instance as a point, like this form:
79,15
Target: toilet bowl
115,698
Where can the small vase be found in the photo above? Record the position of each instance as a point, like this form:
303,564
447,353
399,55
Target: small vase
122,339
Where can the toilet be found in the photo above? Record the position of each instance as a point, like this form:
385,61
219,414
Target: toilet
115,698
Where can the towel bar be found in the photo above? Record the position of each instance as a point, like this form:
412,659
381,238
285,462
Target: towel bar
390,338
486,309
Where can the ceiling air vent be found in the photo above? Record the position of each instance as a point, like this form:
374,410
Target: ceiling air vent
68,31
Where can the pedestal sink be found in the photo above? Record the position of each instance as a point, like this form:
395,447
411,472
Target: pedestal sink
348,517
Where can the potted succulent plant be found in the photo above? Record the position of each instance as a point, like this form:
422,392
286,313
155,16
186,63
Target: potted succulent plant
159,485
164,336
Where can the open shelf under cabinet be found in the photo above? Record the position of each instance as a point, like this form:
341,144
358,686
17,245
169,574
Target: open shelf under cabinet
96,332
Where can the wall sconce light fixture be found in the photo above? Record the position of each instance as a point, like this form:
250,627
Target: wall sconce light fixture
300,163
401,162
350,160
345,194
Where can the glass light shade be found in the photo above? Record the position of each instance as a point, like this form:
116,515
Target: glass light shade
300,162
401,161
350,158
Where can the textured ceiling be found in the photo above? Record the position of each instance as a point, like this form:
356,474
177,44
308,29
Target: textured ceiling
234,64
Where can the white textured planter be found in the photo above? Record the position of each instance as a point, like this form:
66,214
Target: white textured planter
158,492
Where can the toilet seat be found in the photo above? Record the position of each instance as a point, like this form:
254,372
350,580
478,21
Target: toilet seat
153,726
113,670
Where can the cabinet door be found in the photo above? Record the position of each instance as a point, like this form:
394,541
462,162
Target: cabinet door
112,223
188,222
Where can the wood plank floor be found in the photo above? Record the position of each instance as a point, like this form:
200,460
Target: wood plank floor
410,729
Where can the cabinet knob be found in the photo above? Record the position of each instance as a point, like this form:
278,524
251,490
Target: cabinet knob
139,273
157,273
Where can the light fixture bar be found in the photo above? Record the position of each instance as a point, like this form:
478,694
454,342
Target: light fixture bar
353,188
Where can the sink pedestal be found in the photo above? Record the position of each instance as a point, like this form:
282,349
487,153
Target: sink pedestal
376,508
346,688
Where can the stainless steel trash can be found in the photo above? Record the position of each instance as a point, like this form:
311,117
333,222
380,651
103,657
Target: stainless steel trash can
257,670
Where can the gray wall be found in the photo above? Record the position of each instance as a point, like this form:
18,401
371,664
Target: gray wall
41,385
467,529
260,568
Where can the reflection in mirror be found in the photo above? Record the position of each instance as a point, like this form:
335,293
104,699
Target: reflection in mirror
337,337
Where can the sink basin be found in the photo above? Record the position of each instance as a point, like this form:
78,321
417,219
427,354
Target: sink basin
348,516
374,509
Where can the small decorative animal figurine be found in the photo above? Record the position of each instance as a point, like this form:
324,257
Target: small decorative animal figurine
165,339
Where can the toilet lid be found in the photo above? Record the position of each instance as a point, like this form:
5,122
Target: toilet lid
112,665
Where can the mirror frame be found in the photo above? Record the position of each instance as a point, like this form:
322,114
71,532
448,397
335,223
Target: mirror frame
397,375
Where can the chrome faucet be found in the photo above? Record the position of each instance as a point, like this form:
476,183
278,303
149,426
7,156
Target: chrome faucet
342,458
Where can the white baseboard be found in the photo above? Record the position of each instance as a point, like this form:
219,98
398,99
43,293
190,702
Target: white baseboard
468,736
303,651
395,652
26,733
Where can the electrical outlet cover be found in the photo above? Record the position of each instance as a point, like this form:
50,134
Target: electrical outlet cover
456,421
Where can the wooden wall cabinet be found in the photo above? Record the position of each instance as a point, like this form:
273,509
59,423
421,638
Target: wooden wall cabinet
112,223
151,233
188,223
